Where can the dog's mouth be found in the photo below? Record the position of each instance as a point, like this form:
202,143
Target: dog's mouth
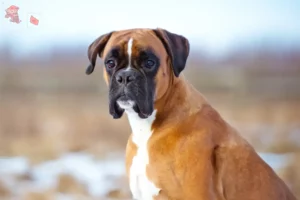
141,113
125,99
125,102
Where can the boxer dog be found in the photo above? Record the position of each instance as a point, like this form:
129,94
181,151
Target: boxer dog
180,147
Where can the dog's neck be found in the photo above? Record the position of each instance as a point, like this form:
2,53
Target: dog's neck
179,100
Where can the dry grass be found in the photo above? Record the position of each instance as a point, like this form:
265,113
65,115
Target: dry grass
68,184
4,191
55,128
283,146
117,194
39,195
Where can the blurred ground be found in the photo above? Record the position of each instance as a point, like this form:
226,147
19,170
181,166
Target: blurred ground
57,140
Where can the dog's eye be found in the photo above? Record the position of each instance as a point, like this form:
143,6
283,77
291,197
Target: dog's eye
110,63
150,63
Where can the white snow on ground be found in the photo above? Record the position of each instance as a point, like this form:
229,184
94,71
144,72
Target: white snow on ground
98,175
13,165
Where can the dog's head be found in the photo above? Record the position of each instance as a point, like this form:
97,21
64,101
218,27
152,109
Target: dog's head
139,65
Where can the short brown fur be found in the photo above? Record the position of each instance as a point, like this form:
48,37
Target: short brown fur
193,153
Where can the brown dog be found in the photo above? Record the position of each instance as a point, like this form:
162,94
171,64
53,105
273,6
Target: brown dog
180,147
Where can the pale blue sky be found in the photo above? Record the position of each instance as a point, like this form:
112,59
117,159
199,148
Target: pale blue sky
214,25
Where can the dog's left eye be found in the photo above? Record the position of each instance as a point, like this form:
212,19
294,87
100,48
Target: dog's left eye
150,63
110,64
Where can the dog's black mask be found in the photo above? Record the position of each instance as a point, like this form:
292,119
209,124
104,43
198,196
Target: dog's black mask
131,80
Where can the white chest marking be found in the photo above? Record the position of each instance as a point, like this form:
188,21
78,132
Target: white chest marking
140,186
129,52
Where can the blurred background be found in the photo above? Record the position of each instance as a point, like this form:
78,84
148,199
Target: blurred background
57,140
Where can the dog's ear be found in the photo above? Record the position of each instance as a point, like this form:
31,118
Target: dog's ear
177,47
96,48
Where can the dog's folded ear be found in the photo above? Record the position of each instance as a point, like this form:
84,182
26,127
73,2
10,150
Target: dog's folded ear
96,48
177,47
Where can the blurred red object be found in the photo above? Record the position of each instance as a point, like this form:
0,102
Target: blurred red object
34,20
12,13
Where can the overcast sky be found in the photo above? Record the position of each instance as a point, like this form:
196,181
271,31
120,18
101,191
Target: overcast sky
215,25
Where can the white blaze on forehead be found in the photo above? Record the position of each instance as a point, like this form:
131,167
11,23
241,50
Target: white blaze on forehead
129,52
129,47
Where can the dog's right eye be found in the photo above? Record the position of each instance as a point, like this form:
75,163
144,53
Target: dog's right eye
110,63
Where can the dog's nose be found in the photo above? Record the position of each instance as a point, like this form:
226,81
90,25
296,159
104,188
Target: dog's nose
125,77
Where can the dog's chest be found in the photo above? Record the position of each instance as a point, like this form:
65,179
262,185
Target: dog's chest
141,187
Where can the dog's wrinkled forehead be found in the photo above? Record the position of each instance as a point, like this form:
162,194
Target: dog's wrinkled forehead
131,42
